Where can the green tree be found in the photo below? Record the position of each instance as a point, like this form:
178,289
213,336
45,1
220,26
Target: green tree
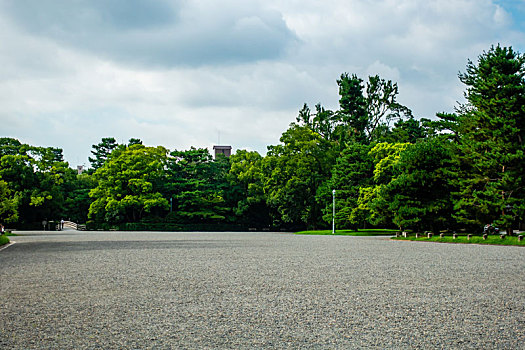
446,126
134,141
292,174
419,193
101,151
21,184
323,121
12,147
409,130
198,186
34,177
129,184
373,200
8,204
246,178
76,196
365,112
492,133
352,171
352,114
382,107
364,115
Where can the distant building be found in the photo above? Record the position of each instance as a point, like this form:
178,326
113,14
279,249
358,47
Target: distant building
80,169
226,150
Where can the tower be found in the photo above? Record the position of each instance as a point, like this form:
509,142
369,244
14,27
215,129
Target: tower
226,150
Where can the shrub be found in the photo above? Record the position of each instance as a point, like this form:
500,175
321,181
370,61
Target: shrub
3,240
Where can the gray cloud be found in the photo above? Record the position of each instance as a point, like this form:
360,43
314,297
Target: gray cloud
176,73
70,18
157,33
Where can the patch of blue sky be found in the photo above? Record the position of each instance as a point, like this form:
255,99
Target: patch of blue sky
516,8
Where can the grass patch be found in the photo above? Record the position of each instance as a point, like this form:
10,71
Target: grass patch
368,232
491,240
3,240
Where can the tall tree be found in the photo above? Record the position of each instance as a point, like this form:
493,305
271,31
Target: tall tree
492,139
293,171
382,106
352,111
364,115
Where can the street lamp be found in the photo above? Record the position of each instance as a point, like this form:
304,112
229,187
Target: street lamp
333,213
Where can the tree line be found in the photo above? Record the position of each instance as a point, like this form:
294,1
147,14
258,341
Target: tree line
388,168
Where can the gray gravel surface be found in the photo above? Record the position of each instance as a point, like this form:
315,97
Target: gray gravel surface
144,290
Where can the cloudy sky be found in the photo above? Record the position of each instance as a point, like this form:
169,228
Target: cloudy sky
183,73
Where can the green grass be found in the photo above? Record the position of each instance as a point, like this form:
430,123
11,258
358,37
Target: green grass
493,239
367,232
3,240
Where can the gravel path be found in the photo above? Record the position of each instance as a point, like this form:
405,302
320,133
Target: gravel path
112,290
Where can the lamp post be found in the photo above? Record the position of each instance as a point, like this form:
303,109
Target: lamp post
333,213
509,210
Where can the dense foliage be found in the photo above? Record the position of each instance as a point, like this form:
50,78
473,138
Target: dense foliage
388,168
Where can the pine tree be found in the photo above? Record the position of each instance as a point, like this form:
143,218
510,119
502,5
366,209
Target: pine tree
102,151
492,134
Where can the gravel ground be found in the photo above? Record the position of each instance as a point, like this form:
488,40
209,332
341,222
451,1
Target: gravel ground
112,290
